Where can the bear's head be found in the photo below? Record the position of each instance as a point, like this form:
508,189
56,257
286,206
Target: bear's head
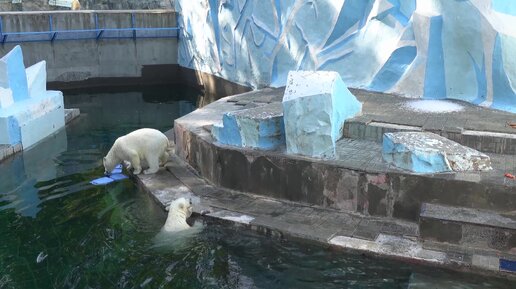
109,165
181,206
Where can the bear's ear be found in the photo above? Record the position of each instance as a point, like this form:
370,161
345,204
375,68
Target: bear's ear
167,208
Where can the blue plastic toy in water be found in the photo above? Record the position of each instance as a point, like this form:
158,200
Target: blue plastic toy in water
115,175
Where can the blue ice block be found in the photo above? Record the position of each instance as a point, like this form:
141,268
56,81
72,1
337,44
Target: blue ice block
115,175
102,181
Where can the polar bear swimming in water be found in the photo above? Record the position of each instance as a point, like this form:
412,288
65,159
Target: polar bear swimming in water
179,210
177,234
145,147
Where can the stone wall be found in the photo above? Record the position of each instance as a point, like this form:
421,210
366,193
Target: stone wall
43,5
460,49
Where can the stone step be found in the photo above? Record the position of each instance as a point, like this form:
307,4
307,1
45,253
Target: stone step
468,228
367,128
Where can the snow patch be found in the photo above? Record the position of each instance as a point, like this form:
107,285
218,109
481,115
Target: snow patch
243,219
433,106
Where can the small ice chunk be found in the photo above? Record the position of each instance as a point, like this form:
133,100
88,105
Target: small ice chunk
117,177
102,181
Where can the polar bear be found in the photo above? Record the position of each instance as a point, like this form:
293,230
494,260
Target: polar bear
179,210
145,147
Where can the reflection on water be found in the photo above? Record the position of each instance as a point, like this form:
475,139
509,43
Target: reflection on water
59,231
176,241
19,175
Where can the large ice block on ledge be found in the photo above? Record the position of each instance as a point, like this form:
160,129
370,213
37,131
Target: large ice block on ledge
28,112
424,152
259,127
12,74
315,106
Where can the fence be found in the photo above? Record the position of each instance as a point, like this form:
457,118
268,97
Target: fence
97,33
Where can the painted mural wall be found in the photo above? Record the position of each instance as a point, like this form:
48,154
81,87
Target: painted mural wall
460,49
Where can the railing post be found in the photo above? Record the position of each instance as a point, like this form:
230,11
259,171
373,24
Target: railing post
2,36
133,25
50,28
97,29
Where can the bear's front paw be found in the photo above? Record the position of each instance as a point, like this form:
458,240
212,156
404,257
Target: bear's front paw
150,171
137,171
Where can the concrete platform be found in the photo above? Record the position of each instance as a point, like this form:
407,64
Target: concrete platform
483,129
355,233
357,184
357,180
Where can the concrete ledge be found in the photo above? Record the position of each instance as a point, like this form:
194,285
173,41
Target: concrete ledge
468,227
356,181
385,238
384,113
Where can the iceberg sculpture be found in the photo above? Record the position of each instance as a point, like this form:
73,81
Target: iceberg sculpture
28,111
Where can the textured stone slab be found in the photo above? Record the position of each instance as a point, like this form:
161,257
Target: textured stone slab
424,152
315,106
260,127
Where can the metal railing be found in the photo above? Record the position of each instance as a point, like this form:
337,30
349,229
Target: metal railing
82,34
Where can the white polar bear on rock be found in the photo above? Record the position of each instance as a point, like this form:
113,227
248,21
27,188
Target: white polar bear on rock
179,210
144,147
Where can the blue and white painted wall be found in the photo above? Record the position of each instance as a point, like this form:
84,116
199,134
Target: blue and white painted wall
460,49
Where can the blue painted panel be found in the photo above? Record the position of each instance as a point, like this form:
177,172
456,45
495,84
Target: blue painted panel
508,265
435,83
14,130
353,11
229,134
480,73
505,6
394,68
503,96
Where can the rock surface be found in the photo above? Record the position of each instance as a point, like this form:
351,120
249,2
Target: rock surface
315,106
424,152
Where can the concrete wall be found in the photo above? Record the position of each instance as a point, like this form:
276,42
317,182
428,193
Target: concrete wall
85,59
460,49
43,5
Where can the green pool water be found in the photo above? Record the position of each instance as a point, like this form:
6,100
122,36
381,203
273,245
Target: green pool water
59,231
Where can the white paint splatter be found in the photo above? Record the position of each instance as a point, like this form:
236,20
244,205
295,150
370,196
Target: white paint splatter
433,106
